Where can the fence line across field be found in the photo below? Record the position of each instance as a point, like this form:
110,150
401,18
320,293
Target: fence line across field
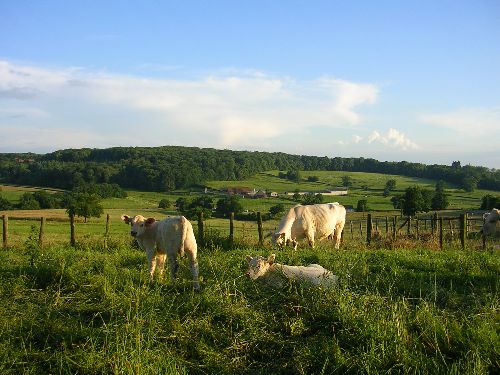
369,229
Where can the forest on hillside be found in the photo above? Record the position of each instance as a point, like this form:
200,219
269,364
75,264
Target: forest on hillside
174,167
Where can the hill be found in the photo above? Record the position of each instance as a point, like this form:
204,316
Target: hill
173,167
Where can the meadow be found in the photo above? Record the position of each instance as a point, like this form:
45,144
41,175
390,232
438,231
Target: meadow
92,310
401,306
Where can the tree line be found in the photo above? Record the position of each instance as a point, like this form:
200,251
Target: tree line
174,167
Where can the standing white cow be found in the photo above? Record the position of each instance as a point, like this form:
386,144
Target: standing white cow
491,222
313,222
169,237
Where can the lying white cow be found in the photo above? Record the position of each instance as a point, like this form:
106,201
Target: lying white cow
278,275
169,237
313,222
491,222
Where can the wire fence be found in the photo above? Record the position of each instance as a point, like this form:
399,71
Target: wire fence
432,231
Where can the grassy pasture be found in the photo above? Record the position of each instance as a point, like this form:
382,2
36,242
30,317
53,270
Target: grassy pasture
90,310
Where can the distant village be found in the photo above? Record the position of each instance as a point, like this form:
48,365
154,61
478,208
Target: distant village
246,192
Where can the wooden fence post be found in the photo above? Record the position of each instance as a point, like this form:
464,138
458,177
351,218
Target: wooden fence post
434,223
231,227
386,226
441,230
42,232
352,232
201,232
463,230
408,232
417,229
369,228
5,235
72,228
259,228
106,234
394,227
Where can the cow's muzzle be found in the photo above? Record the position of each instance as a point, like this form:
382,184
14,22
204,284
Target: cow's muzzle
133,234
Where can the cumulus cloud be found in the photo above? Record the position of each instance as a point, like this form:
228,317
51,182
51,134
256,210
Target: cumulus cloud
393,138
225,110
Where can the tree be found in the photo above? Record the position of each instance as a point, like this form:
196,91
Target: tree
440,199
28,202
362,206
229,204
83,204
397,201
203,204
469,183
277,210
346,181
390,185
293,175
164,203
313,179
489,202
296,196
5,204
416,200
180,204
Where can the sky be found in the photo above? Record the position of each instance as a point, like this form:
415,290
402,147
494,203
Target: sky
391,80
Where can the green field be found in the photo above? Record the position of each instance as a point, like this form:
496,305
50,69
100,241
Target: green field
91,310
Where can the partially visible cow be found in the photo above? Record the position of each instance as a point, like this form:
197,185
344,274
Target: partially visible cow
170,237
313,222
278,275
491,222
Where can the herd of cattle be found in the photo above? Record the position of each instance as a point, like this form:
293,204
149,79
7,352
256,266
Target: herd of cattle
174,236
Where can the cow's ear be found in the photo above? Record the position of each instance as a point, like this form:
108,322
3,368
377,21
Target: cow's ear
271,258
150,220
125,219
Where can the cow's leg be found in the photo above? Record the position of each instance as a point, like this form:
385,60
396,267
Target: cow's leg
151,262
338,234
173,266
310,238
194,270
160,262
295,243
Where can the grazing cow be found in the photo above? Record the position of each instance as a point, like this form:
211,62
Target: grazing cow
169,237
313,222
277,275
491,222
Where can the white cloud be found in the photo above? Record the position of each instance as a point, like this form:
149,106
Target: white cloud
225,110
393,138
471,122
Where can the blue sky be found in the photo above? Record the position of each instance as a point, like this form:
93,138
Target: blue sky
391,80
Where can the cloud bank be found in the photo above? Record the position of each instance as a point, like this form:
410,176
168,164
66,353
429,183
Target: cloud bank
230,111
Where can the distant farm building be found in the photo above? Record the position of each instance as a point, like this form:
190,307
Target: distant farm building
322,192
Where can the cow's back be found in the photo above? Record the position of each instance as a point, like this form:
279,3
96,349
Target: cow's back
176,235
321,218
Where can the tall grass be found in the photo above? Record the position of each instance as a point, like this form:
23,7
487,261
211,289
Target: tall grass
92,310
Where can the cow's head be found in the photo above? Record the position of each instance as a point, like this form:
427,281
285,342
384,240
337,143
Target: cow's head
259,265
138,224
279,239
491,222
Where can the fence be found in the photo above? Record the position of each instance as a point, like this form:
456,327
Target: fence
445,230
